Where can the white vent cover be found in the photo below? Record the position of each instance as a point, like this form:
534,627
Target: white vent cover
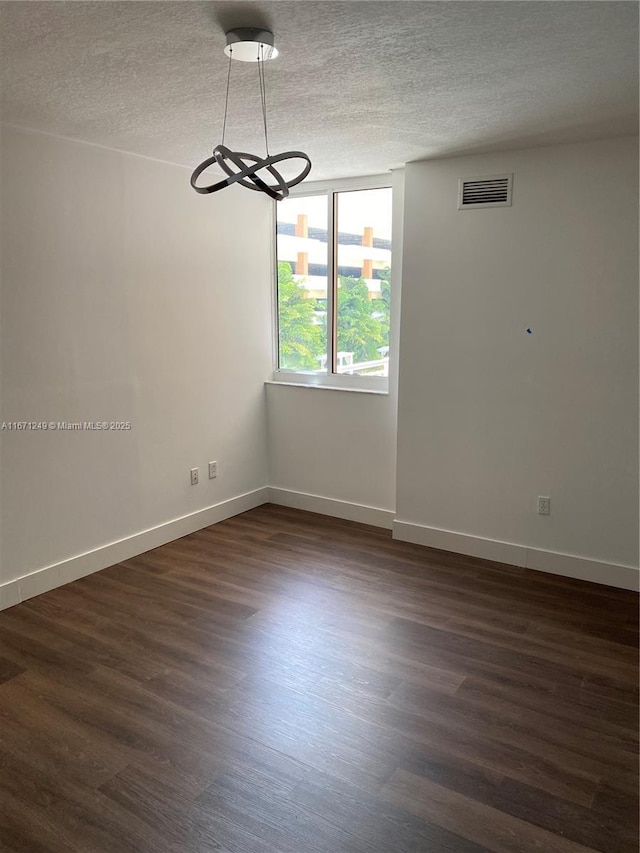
490,191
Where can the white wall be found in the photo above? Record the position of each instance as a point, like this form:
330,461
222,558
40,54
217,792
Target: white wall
125,296
332,444
341,445
490,417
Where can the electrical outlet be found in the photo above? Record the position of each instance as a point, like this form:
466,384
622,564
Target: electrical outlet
544,506
194,477
213,470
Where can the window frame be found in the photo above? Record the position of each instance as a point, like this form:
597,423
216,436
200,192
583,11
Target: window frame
328,379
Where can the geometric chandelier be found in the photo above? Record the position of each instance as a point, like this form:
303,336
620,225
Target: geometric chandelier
250,44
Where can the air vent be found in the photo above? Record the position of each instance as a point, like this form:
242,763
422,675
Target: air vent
492,191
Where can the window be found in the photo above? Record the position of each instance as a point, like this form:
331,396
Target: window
334,287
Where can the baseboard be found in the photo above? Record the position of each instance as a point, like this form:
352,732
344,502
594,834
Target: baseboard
609,574
568,565
331,506
50,577
58,574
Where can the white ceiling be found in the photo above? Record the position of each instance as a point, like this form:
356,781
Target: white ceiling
360,86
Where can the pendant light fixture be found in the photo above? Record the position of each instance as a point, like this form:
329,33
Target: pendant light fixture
249,44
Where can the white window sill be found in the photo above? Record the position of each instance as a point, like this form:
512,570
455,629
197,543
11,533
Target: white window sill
319,387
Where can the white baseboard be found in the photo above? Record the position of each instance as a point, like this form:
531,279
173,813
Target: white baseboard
331,506
58,574
35,583
609,574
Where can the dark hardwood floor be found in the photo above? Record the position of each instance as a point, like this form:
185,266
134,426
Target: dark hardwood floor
284,682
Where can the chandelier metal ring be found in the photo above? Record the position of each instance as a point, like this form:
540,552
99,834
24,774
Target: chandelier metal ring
251,182
247,175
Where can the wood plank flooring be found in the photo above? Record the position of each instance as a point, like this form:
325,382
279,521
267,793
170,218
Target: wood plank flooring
285,682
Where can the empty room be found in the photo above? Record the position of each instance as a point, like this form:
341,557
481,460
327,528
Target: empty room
319,451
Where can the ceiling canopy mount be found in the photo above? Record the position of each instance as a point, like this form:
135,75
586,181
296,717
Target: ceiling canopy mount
249,44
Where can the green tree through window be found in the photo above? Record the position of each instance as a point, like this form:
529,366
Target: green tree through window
383,305
360,326
302,341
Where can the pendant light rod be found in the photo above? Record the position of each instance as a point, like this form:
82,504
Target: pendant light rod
226,101
263,100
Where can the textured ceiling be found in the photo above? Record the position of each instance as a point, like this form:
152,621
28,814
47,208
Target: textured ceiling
360,86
